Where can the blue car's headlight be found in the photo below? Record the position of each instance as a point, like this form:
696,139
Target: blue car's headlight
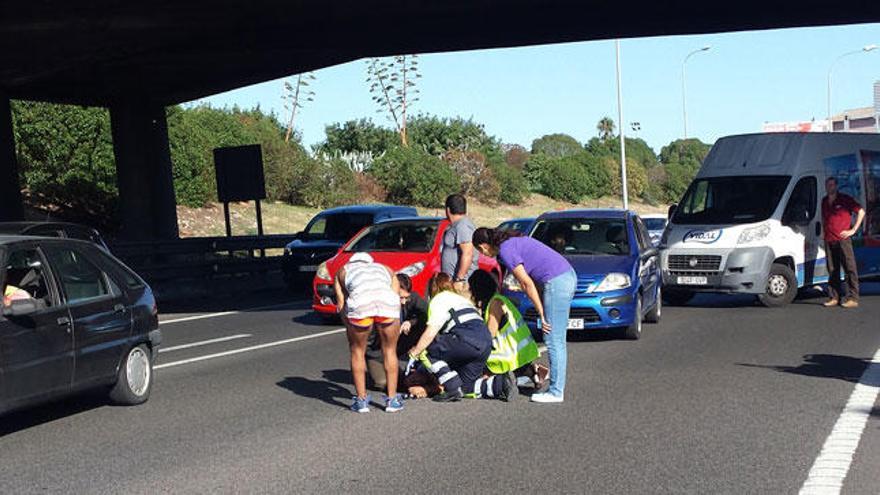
613,281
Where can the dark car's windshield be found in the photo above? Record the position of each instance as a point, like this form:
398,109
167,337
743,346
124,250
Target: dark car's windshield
604,236
730,200
398,236
516,225
655,223
337,227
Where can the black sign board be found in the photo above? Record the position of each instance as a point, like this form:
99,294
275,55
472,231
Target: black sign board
239,173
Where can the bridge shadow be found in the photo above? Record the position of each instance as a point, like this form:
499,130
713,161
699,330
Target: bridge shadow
313,318
46,413
249,301
832,366
330,389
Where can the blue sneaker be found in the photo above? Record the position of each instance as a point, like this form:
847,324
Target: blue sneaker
360,405
393,404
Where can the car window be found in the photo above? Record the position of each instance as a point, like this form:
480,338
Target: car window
801,205
80,279
338,227
128,277
45,231
26,277
590,236
654,223
644,238
402,237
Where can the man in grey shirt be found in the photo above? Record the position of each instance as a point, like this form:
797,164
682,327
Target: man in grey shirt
458,259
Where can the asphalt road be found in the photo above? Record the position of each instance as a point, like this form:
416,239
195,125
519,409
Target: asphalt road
723,396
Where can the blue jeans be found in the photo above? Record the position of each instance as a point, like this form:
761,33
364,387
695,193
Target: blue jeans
558,294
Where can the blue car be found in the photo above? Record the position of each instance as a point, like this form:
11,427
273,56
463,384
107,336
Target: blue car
522,225
617,269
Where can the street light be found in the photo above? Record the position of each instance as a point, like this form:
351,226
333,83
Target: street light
865,49
684,86
621,127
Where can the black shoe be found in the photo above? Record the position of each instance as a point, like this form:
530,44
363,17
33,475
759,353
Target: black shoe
509,389
448,396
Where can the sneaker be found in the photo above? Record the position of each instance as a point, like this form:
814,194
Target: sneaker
547,398
850,304
448,396
393,404
831,302
508,387
359,405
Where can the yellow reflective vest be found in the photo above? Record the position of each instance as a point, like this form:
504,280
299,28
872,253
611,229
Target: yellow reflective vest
513,347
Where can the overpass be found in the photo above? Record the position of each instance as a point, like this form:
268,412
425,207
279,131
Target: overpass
136,58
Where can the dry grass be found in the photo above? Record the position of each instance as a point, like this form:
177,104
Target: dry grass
280,218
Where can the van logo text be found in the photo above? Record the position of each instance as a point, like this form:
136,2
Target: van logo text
702,236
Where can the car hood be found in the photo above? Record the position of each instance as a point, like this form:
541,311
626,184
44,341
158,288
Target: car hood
600,265
311,245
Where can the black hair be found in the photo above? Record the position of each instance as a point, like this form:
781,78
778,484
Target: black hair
483,286
832,178
493,237
405,282
457,204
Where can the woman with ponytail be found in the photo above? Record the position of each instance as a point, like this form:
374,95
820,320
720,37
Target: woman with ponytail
535,265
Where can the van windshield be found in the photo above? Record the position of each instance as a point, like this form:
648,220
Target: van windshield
730,200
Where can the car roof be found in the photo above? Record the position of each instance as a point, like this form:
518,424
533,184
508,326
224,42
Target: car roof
410,220
12,239
523,219
366,209
586,213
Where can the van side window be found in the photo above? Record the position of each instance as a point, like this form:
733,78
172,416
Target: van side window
801,207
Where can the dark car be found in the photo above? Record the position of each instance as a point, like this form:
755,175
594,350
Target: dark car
326,233
54,229
73,318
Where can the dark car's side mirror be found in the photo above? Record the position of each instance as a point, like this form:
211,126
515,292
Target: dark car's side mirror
671,211
649,253
21,307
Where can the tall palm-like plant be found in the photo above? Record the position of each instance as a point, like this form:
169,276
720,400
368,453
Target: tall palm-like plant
392,84
294,96
606,128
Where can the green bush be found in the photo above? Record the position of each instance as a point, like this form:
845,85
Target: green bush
413,177
514,189
565,180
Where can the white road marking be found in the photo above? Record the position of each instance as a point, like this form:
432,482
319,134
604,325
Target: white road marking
224,313
204,342
831,467
249,349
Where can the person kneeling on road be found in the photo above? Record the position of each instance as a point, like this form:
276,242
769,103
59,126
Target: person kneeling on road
456,344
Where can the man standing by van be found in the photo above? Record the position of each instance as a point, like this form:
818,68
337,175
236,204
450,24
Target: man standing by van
458,259
837,212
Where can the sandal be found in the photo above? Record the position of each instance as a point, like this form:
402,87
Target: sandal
540,373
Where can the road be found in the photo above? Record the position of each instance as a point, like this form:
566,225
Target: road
723,396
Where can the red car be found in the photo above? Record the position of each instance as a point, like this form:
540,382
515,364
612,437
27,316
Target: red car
410,245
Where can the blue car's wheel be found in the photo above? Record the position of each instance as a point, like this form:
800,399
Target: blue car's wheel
653,315
634,331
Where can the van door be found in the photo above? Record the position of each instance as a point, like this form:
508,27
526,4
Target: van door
804,228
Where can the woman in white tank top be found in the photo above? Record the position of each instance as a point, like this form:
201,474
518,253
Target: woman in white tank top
366,299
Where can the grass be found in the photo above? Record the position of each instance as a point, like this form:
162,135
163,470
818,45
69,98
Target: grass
281,218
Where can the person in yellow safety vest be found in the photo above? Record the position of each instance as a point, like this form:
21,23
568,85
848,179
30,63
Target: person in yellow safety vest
13,293
513,347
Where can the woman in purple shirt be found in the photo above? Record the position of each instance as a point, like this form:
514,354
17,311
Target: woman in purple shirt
535,264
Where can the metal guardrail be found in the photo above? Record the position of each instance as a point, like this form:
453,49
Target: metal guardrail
202,257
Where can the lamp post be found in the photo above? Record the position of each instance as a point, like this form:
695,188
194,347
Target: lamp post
621,127
684,86
865,49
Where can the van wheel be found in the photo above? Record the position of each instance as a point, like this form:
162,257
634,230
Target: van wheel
781,287
135,377
677,297
634,331
653,315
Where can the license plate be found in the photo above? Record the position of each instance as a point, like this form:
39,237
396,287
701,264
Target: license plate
308,268
576,324
693,280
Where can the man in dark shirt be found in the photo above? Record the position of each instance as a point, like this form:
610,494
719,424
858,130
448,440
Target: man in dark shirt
413,318
837,212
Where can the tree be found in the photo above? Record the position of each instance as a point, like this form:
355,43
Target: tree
556,145
294,96
413,177
437,135
357,136
516,156
685,151
606,128
636,148
392,84
474,174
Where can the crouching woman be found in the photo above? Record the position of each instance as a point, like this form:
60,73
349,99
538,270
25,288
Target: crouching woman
456,343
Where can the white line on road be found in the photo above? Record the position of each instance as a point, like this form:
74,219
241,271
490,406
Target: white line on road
204,342
829,471
249,349
224,313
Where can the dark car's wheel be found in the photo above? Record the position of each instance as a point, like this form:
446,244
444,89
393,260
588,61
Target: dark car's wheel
781,287
135,378
653,315
677,297
634,331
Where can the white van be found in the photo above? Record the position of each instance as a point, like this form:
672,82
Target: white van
751,221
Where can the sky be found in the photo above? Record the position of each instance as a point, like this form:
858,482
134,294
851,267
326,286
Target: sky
520,94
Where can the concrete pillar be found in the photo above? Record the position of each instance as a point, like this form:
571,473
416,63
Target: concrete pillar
11,208
148,207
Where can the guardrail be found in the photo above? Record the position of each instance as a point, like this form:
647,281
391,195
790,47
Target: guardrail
202,257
